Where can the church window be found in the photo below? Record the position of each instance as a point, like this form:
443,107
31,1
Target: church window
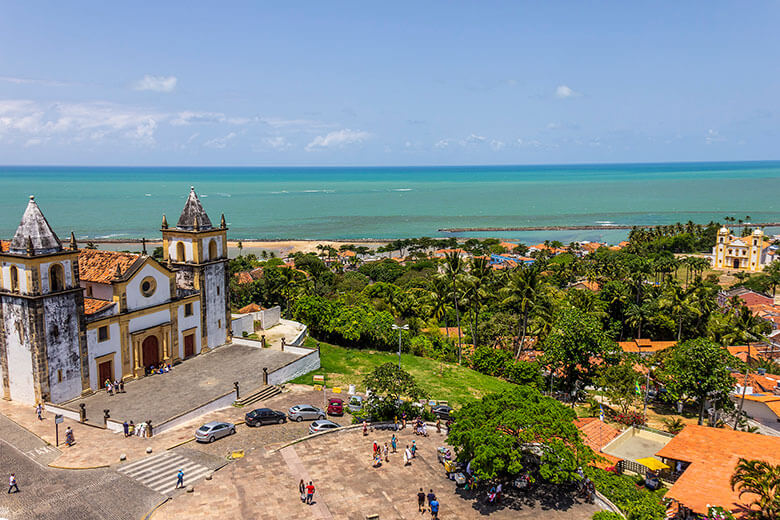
59,375
148,286
217,290
103,333
219,324
89,291
188,309
56,278
14,279
213,250
180,252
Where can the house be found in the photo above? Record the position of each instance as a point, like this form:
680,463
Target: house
707,457
596,434
749,297
72,318
645,347
586,285
751,253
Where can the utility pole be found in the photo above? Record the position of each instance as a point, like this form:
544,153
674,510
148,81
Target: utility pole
399,329
744,388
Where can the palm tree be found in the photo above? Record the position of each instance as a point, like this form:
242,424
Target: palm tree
678,302
453,268
520,293
746,328
637,314
476,290
772,271
761,480
440,295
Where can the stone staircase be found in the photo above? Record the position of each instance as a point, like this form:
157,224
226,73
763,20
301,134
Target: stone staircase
261,394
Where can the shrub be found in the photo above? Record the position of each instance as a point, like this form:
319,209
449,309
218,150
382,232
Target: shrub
606,515
637,503
630,418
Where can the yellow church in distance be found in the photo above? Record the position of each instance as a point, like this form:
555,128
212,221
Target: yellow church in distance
750,253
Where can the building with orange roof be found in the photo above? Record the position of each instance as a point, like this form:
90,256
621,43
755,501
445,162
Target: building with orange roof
708,457
4,245
509,246
107,315
645,346
597,434
743,253
252,307
587,285
243,277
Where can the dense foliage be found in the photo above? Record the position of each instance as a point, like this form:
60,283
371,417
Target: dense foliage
518,430
636,502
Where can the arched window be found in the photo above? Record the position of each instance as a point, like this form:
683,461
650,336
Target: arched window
213,250
56,278
14,279
180,252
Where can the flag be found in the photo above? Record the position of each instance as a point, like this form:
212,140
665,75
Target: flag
637,388
601,413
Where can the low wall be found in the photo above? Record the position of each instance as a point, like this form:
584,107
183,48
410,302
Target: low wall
302,365
300,338
218,403
243,323
302,351
70,414
268,317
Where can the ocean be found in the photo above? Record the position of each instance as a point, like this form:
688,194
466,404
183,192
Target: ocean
392,202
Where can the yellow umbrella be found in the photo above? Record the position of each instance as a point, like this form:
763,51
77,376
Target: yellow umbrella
652,463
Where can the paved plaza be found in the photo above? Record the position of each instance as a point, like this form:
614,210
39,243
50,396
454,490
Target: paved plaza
264,485
190,384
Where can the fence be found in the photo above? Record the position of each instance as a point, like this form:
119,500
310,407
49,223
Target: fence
667,475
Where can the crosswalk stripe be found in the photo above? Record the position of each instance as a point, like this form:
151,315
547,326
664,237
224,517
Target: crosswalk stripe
160,472
127,467
164,463
152,480
170,486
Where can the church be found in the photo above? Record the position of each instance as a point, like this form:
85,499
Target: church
72,318
750,253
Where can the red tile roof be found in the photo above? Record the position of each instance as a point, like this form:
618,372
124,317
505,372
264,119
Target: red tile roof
713,454
4,245
93,306
244,277
100,266
596,433
752,299
252,307
645,345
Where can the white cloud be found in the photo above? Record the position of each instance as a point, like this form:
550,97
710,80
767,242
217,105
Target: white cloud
220,142
156,83
532,143
32,81
338,138
277,143
563,92
474,139
713,136
497,145
189,117
70,122
441,144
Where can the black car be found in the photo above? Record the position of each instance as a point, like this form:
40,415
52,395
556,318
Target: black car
442,412
264,416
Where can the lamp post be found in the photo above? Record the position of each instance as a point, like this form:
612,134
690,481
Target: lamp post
399,329
647,391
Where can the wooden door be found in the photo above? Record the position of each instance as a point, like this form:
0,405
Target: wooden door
189,345
106,371
151,352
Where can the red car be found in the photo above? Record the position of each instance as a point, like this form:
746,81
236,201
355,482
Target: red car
335,406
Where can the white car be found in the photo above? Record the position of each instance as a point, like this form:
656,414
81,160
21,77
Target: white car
322,426
299,412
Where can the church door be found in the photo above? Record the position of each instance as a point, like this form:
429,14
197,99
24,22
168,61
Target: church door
106,371
189,345
736,264
151,351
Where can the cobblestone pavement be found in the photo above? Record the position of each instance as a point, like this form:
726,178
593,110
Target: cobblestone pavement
264,485
52,494
190,384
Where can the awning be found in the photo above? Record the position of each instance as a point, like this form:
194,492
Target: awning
652,463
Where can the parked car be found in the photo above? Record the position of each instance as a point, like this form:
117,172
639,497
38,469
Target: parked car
442,411
355,403
299,412
335,406
264,416
214,430
321,426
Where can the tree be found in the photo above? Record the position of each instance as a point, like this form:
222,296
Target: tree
698,369
678,302
619,383
453,268
158,253
762,480
772,271
576,340
391,383
240,247
520,294
503,434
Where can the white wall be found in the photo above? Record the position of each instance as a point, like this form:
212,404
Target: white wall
61,319
45,286
100,291
100,348
188,254
20,376
214,294
7,276
297,368
205,247
188,322
243,323
148,321
136,299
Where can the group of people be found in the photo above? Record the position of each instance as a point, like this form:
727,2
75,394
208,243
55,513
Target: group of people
306,491
142,430
114,387
433,503
382,453
494,495
161,369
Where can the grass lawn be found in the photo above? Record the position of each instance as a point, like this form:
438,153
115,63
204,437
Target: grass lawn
443,381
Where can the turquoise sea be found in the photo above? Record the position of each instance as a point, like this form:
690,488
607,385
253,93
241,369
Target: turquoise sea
361,203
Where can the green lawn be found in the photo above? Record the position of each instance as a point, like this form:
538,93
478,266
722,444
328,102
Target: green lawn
443,381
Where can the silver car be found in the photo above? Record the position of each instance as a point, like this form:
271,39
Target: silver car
214,430
355,403
322,426
299,412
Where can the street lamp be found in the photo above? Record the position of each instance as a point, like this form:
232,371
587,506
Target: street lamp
647,391
399,329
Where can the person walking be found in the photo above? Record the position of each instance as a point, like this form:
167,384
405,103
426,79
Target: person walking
302,490
126,428
434,508
39,411
421,501
107,384
69,440
122,385
414,449
394,444
431,497
12,484
180,478
310,493
131,429
386,452
407,456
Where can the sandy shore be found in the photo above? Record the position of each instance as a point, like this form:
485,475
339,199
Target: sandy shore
278,247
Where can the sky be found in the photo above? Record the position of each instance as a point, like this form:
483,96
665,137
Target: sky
391,83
